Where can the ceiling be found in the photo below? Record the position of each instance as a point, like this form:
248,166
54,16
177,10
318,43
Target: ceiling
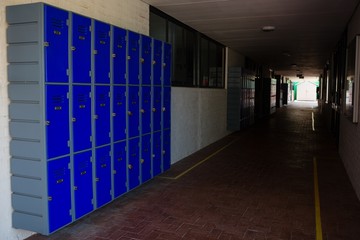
306,31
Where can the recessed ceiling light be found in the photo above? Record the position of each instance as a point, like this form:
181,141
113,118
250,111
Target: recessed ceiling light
268,28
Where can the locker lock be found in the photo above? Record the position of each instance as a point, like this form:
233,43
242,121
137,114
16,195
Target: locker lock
130,166
50,198
73,48
142,161
73,119
142,111
97,179
164,64
163,152
114,114
119,159
153,155
47,123
130,113
163,109
96,117
154,109
75,188
142,60
103,165
128,57
154,62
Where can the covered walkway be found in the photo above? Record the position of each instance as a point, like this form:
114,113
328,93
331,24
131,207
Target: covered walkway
255,184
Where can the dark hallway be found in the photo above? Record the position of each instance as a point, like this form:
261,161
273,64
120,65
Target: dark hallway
255,184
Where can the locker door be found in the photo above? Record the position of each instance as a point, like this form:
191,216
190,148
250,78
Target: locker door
133,58
57,120
103,176
145,110
145,60
120,169
157,62
156,121
167,64
119,56
81,49
133,111
83,188
102,115
145,158
119,113
166,107
102,52
59,193
156,158
81,117
56,45
134,171
166,150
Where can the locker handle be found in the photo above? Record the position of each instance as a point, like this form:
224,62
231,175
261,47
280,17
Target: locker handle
119,159
73,48
103,165
130,113
75,188
50,198
59,181
163,109
154,109
96,117
46,44
47,123
142,60
58,108
154,62
57,32
130,166
113,55
142,161
83,173
163,152
102,105
114,114
142,111
97,179
82,106
164,64
128,57
73,119
81,37
153,155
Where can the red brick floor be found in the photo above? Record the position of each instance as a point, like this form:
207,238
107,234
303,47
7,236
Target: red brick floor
259,187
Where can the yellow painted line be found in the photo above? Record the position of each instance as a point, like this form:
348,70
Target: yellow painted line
319,235
199,163
313,121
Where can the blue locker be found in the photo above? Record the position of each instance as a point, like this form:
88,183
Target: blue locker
145,158
133,111
102,52
145,110
119,113
157,62
166,150
119,55
133,58
156,121
102,115
59,193
156,158
83,180
146,43
133,165
57,120
167,64
103,176
166,107
81,118
120,169
81,49
56,45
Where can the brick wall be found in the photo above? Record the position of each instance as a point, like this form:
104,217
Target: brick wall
129,14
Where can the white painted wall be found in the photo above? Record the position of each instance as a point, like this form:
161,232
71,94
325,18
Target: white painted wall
350,133
129,14
198,118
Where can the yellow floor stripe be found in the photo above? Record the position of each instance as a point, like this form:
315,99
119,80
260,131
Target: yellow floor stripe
199,163
319,235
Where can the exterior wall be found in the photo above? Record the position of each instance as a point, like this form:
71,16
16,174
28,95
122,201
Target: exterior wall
198,118
350,133
129,14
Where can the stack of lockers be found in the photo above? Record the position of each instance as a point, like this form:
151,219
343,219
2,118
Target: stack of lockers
89,113
265,97
240,99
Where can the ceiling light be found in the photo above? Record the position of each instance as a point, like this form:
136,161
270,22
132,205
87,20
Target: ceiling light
268,28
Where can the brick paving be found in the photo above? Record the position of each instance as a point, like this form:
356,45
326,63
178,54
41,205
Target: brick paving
260,187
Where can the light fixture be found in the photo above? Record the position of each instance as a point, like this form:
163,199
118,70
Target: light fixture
268,28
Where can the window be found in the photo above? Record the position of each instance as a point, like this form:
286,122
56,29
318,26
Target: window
198,61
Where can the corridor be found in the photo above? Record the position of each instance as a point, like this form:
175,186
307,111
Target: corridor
254,184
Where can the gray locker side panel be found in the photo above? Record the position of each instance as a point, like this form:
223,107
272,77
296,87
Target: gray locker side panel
24,92
23,13
24,72
25,111
23,33
27,221
26,186
24,149
29,168
28,52
27,204
27,130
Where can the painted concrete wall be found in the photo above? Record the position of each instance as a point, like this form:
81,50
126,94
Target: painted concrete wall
198,118
350,133
129,14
